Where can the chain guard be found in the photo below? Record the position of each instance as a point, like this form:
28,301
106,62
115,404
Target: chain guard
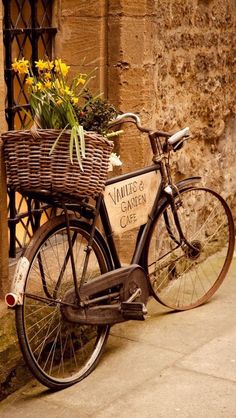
125,281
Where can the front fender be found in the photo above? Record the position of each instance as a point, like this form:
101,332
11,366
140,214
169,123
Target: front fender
190,181
180,185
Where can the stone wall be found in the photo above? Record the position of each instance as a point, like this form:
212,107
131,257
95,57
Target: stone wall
82,37
174,63
171,61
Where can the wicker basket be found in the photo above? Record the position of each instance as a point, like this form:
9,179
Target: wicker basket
30,167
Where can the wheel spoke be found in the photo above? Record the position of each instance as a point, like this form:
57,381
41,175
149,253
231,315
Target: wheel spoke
59,352
182,278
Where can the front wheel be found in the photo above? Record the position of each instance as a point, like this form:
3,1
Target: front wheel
184,276
59,353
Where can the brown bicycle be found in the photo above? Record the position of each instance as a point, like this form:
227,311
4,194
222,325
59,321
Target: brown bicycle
70,287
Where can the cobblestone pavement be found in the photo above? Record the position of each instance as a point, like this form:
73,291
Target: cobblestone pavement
172,365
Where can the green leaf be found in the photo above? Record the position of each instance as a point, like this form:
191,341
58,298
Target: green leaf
56,142
78,150
82,140
71,146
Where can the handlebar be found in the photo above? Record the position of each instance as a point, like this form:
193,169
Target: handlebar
129,118
129,115
173,139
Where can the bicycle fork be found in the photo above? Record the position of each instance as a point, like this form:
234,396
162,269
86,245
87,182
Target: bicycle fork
192,249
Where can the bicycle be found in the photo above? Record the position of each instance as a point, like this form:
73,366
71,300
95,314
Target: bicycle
70,287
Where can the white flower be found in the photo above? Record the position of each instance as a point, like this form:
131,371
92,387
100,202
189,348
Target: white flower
114,160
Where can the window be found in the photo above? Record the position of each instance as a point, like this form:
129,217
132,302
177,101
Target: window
27,32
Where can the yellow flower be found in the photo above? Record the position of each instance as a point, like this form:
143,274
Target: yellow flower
29,81
48,84
39,86
48,76
40,64
49,65
21,66
44,65
59,102
61,67
74,100
81,79
65,91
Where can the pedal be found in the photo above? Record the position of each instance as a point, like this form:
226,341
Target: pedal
133,310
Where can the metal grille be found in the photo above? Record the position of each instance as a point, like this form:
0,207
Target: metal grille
27,33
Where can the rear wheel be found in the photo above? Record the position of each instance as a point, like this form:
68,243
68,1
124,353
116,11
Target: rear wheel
59,353
184,276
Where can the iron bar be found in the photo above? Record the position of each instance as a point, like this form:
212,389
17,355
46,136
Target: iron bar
21,37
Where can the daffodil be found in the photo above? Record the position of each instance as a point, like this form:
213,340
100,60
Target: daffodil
61,67
81,79
39,86
48,84
44,65
40,64
21,66
55,101
65,90
47,76
29,81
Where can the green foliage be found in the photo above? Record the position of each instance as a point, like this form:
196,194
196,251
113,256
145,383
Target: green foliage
95,114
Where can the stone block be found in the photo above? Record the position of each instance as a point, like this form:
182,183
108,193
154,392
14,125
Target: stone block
81,38
83,8
205,62
131,8
181,12
137,88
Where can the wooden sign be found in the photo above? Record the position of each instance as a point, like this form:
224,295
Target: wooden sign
130,201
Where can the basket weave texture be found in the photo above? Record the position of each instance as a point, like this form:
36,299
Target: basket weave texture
30,167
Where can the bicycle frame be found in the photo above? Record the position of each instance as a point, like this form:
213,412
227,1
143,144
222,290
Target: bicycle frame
101,210
106,221
145,228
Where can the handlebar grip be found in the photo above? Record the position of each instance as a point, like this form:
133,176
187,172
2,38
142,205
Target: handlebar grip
178,135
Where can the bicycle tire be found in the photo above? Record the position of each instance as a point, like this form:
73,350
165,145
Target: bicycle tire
57,352
181,278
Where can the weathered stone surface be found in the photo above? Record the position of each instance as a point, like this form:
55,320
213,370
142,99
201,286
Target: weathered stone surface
83,8
82,40
131,8
13,372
